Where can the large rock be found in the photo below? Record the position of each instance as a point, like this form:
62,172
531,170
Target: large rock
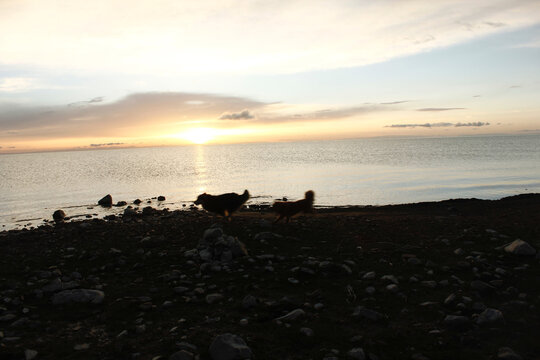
78,296
520,247
229,347
218,246
106,201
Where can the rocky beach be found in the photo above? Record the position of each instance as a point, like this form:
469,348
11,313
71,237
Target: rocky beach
455,279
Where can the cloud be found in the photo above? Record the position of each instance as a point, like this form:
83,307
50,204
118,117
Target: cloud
243,115
395,102
426,125
18,84
88,102
439,124
494,24
159,113
318,115
107,144
440,109
336,34
515,87
125,117
531,44
473,124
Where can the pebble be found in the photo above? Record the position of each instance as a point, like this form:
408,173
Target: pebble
78,296
392,288
369,275
506,353
456,321
490,317
366,313
249,301
391,278
356,354
182,355
30,354
306,331
481,287
430,284
180,289
520,247
80,347
213,298
8,317
229,347
293,315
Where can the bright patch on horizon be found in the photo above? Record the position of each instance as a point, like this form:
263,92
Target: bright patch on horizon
198,135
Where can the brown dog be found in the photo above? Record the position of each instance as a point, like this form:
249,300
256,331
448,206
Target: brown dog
287,209
224,204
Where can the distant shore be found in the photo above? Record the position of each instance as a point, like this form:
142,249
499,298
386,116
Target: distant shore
433,280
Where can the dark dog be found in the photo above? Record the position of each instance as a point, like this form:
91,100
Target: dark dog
224,204
287,209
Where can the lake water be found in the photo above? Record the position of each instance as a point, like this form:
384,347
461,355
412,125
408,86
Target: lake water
344,172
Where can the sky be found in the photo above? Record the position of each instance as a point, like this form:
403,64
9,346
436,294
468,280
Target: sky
105,74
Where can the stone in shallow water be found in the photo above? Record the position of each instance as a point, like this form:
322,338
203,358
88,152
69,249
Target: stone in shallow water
59,215
106,201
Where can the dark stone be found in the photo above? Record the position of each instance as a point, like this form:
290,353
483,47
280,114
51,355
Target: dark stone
456,322
59,216
229,347
161,198
137,201
121,203
106,201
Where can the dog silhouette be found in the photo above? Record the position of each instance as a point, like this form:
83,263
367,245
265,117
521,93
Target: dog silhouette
287,209
224,204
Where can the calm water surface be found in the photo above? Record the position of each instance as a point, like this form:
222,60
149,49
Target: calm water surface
345,172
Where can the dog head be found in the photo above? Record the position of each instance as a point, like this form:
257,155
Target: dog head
310,195
201,199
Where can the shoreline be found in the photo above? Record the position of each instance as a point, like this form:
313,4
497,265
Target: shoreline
96,211
424,280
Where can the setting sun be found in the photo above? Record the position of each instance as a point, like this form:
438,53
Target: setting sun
198,135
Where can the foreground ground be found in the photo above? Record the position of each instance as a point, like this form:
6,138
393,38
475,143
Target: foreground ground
380,279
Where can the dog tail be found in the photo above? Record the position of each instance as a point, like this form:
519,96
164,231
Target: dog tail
245,195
